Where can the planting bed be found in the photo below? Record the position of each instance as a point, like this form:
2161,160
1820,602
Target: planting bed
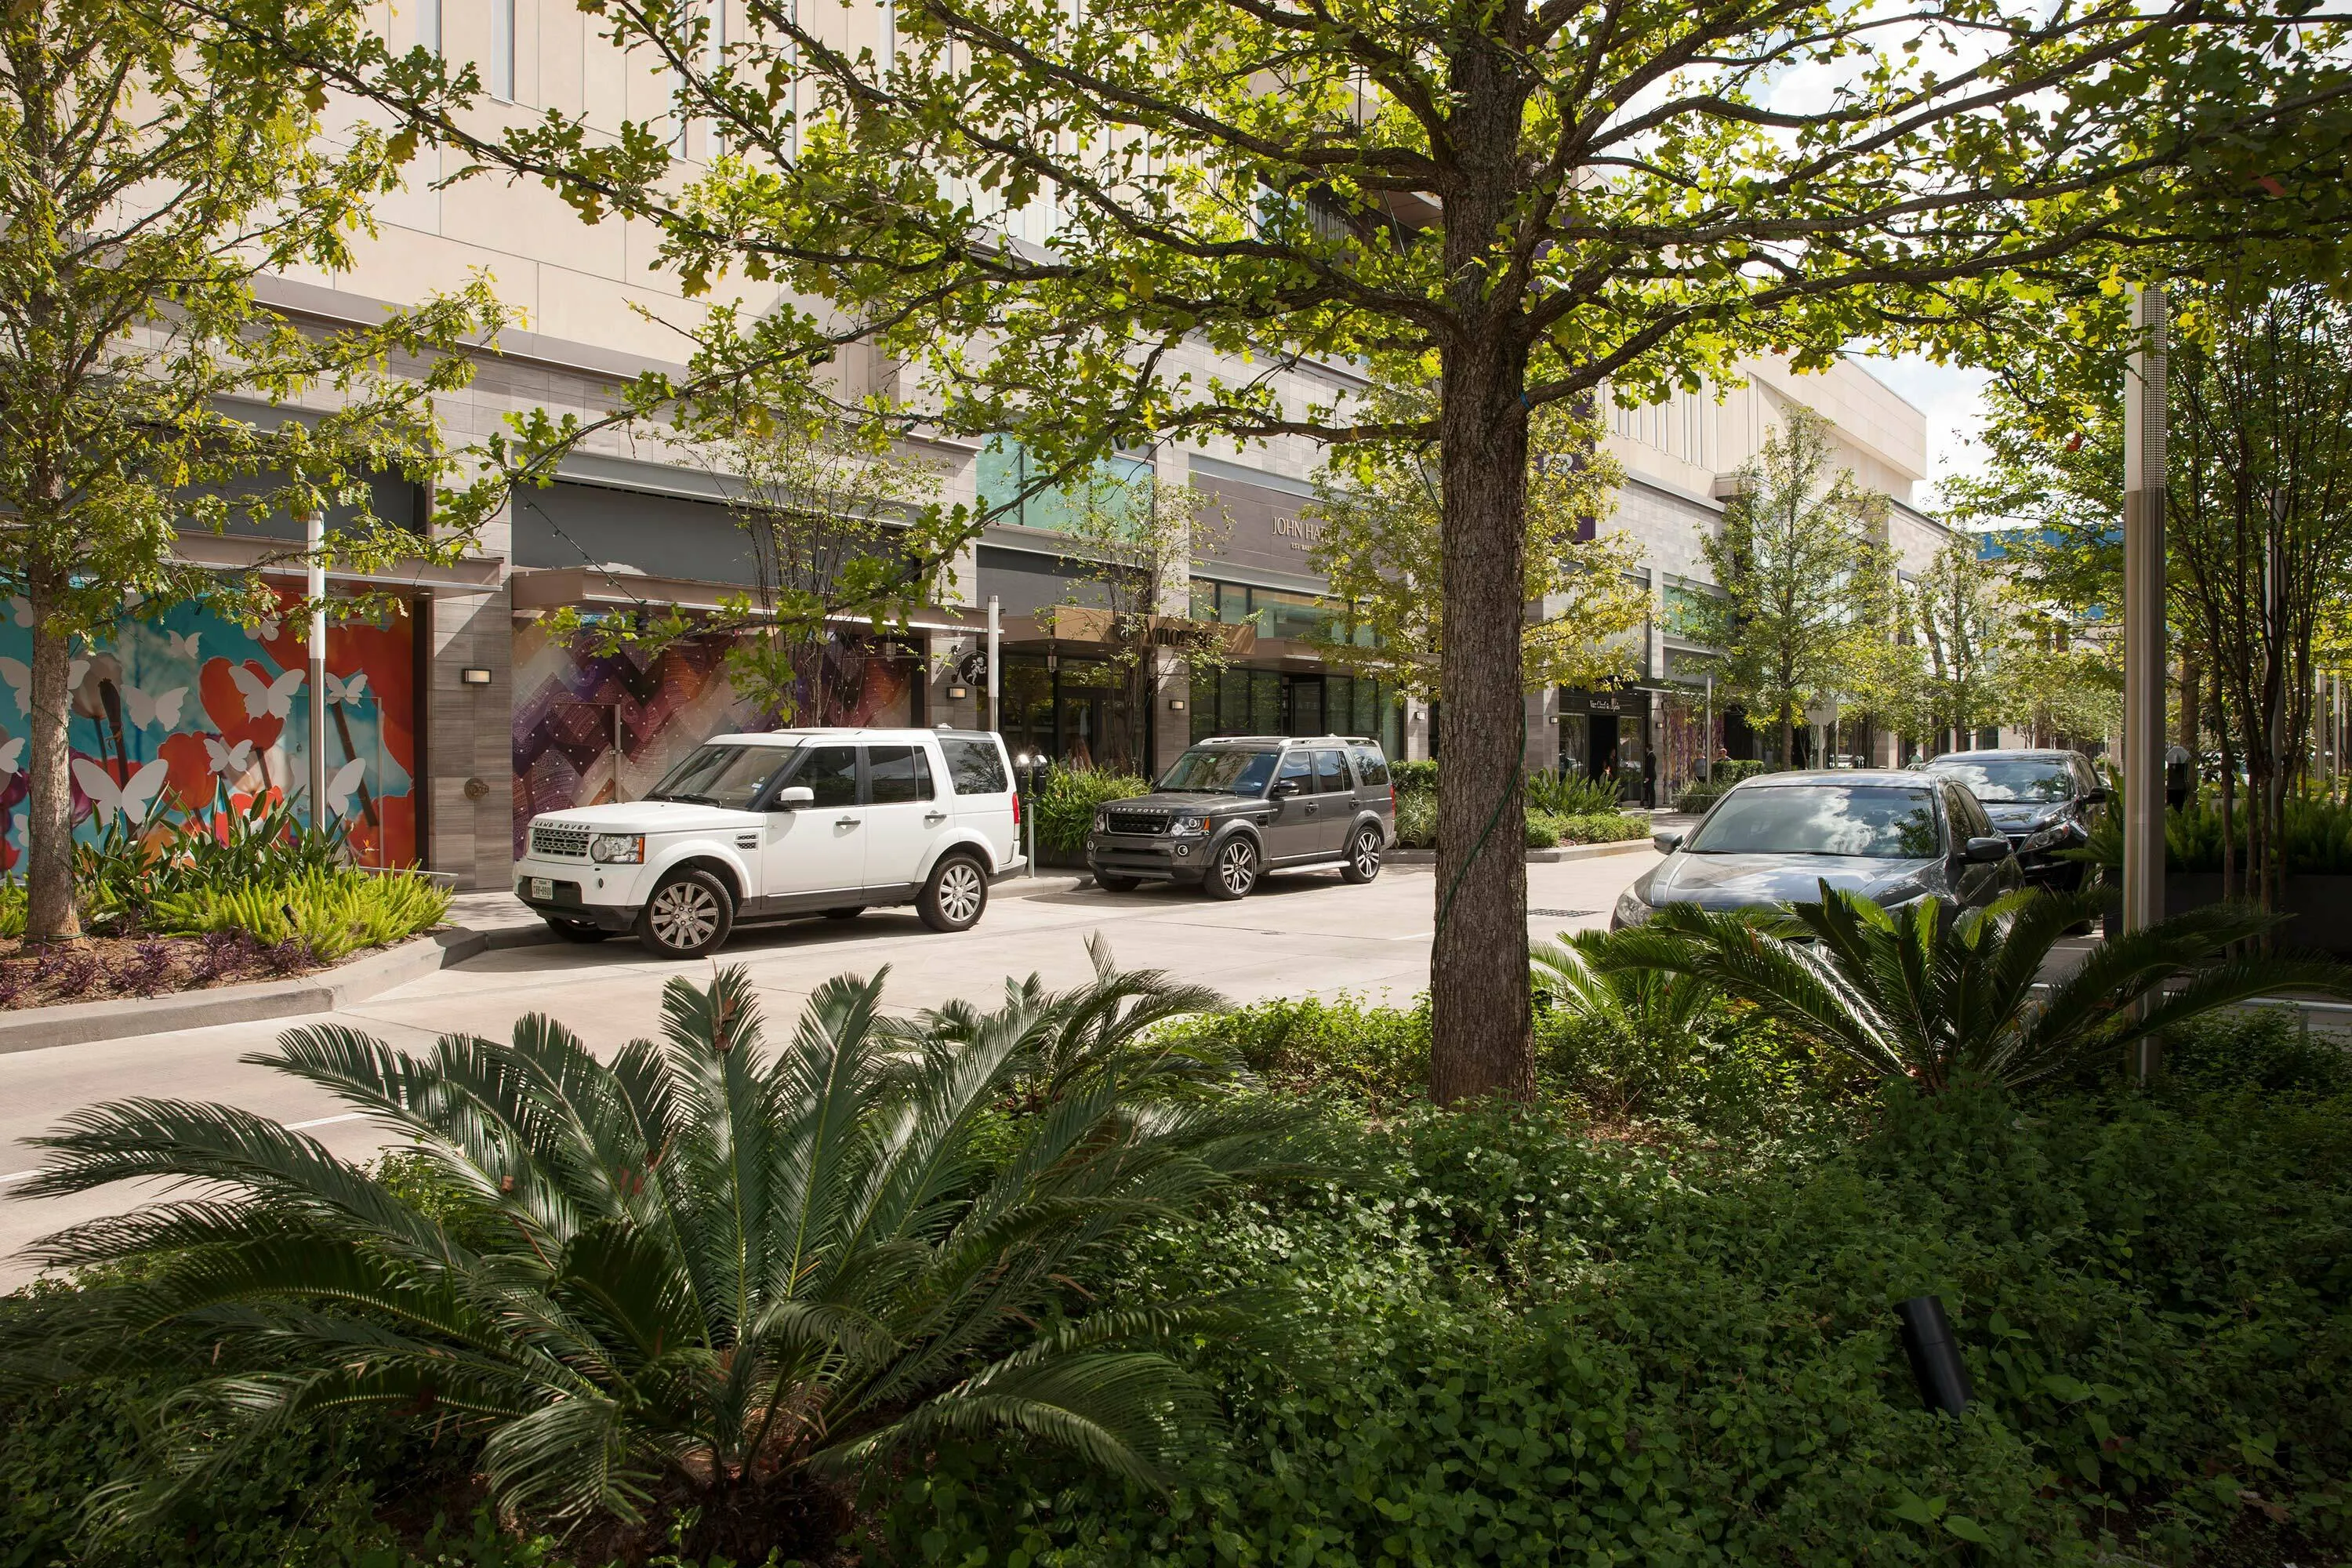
107,968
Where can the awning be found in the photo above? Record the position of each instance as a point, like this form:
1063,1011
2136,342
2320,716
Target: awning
230,552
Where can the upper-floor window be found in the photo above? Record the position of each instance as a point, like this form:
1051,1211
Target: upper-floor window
1003,472
502,49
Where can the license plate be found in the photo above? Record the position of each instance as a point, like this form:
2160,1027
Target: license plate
542,887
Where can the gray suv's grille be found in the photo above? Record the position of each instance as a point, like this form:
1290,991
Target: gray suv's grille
1146,822
558,842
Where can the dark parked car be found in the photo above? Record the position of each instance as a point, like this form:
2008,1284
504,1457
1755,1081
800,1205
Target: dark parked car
1894,838
1234,808
2044,800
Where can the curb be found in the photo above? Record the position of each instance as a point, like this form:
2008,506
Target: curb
1535,857
84,1023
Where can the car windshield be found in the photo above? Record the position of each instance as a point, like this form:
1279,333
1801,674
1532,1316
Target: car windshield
731,776
2005,779
1881,824
1214,770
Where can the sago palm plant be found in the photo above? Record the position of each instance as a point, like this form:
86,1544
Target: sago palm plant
1644,1020
1917,993
709,1274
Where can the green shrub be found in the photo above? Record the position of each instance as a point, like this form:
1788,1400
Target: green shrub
1374,1053
1067,804
1571,795
2317,840
1543,830
1413,777
1512,1345
1416,819
333,912
1602,827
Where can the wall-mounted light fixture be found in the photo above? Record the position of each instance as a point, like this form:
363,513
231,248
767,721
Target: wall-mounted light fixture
474,674
1175,705
958,693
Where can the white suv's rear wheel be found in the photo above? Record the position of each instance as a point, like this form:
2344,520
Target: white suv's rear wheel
955,896
690,913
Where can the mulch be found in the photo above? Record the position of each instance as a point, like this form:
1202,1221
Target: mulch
108,968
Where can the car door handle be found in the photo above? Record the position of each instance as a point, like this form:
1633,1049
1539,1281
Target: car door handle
845,822
933,819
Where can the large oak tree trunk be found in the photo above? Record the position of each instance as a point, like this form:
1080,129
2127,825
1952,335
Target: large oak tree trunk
49,915
1482,1032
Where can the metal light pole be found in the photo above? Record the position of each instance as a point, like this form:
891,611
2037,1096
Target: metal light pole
314,584
996,683
2143,611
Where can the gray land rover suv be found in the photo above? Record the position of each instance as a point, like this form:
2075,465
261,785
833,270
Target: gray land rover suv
1233,808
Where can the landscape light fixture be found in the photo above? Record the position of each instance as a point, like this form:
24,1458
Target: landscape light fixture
474,674
1175,705
958,693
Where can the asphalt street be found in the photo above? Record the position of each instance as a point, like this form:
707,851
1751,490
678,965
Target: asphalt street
1301,934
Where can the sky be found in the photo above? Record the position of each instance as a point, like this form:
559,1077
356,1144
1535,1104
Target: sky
1948,395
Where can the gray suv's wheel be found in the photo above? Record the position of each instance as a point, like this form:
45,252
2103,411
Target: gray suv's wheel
1232,869
690,913
1363,861
956,894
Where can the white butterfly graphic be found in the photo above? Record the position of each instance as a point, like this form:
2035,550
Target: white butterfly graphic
265,698
19,677
351,692
158,707
268,629
182,644
228,759
340,787
20,609
11,757
132,798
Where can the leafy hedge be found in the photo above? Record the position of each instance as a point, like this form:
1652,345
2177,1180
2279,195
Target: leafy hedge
1726,772
1416,801
1067,803
2317,842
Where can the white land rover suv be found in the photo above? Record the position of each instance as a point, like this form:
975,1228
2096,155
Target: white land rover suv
799,822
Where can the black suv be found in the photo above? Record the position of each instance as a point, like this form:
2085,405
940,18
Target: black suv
2042,800
1234,808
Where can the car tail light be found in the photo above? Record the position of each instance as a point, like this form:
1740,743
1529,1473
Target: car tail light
1016,808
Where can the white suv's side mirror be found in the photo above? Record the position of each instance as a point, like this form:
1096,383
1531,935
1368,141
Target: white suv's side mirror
793,797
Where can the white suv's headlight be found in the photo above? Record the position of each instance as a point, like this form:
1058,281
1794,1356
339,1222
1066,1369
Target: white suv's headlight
1102,822
1630,909
618,848
1188,826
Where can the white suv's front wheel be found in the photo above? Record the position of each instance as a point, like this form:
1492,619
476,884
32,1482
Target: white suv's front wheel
956,894
689,914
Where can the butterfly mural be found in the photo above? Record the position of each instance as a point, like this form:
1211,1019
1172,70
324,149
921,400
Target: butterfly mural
190,708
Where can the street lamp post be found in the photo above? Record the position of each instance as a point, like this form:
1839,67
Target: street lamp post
2143,617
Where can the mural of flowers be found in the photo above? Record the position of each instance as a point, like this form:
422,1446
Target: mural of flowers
180,708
